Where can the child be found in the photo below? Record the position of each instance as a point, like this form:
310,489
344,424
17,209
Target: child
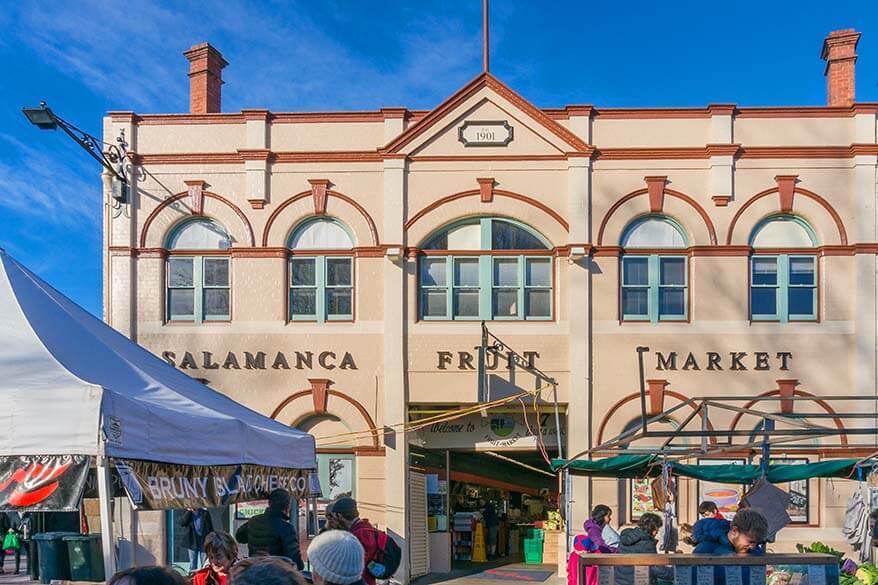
710,527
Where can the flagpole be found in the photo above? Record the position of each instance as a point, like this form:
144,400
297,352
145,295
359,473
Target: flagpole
485,62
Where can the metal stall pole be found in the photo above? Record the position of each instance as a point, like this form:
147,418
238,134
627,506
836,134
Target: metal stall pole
105,496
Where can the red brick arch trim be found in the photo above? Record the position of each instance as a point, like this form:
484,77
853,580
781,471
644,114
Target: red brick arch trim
497,192
681,196
209,195
842,233
329,193
636,396
367,418
821,403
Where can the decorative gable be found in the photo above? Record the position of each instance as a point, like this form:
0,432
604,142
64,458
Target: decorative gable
486,118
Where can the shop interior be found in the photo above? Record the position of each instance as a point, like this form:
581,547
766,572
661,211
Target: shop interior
460,484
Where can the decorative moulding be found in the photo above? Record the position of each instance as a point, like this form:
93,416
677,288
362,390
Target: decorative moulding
656,390
655,187
257,203
195,188
319,393
787,389
721,200
486,189
786,188
318,194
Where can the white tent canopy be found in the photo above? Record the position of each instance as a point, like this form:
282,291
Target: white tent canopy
69,382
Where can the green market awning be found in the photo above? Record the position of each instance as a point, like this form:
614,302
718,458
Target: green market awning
641,466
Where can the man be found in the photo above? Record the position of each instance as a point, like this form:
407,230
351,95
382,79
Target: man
492,527
642,539
271,533
346,516
200,525
747,532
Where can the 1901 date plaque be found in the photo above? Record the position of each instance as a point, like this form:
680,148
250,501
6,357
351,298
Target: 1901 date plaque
488,133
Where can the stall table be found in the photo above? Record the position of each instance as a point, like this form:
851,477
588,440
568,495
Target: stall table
691,569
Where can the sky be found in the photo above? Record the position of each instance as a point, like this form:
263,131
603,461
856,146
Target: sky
85,58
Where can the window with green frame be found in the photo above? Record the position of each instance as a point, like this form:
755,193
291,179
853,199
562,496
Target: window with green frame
503,271
198,285
654,286
321,279
783,287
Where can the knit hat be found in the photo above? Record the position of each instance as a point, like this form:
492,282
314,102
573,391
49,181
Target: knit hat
337,556
344,505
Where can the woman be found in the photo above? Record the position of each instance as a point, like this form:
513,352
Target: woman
590,542
222,552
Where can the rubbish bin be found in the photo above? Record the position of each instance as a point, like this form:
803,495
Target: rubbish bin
52,556
86,557
33,567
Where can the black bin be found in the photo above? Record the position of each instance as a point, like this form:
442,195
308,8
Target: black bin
33,567
52,556
86,557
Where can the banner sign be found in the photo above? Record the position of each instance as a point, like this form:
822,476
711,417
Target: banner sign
163,486
494,432
43,483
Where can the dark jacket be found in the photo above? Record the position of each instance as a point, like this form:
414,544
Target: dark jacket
194,540
636,540
710,530
270,533
723,547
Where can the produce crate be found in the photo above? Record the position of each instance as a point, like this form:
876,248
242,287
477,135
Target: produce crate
535,534
533,551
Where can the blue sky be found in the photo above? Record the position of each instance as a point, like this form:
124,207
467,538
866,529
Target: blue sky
88,57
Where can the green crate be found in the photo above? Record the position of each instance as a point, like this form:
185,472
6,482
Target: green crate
533,551
535,534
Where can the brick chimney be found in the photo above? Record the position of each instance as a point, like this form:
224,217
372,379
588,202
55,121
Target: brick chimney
205,79
839,52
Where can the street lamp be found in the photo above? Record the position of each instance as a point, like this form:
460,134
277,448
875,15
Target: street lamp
111,156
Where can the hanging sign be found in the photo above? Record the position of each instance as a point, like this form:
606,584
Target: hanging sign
163,486
494,133
493,432
44,483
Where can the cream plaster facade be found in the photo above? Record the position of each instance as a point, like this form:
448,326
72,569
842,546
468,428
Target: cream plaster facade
576,176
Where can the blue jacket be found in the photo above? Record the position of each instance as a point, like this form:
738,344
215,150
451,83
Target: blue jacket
710,530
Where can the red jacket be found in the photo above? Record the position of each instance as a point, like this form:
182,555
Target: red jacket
368,537
206,576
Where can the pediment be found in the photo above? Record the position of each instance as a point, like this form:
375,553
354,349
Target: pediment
486,118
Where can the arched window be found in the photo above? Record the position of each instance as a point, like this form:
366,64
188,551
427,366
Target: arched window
654,277
321,272
197,279
486,268
783,286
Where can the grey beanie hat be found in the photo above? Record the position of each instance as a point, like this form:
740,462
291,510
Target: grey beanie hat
337,556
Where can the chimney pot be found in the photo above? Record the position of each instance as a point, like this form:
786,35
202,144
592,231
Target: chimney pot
840,53
205,79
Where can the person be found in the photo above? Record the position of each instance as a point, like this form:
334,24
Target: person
265,571
346,516
492,527
148,576
591,542
337,558
271,533
610,536
594,528
222,552
642,539
7,526
199,525
745,533
709,527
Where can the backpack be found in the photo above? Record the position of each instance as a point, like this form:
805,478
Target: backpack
387,558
